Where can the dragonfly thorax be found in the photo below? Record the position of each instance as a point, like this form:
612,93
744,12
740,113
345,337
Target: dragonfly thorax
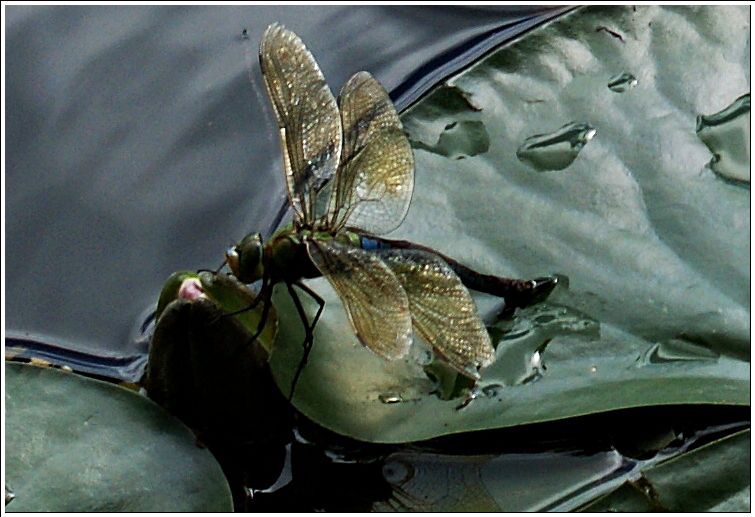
288,257
283,257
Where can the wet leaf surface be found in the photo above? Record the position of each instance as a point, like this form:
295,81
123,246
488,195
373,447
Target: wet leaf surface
654,312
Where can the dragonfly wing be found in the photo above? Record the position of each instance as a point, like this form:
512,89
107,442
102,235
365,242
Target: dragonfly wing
376,178
308,120
374,300
443,311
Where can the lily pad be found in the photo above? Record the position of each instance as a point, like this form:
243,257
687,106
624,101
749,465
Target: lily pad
224,291
74,444
654,244
715,478
204,367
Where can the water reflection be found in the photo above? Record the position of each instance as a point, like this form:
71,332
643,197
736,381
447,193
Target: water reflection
491,483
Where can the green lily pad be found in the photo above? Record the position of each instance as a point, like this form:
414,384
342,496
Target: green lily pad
654,243
74,444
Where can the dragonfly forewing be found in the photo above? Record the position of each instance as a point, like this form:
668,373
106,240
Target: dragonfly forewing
442,309
375,179
375,301
308,120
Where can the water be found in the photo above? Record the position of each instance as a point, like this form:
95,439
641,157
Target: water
521,350
200,177
436,482
622,82
678,350
128,368
557,150
458,134
9,495
460,140
727,135
477,481
390,398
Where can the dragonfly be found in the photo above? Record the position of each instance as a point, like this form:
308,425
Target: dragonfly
349,175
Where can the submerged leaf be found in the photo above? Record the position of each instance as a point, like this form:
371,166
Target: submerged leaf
712,478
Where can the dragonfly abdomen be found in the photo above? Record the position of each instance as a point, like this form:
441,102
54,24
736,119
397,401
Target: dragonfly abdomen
516,292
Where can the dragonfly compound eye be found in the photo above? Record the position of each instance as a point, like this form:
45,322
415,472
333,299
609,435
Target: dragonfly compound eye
245,258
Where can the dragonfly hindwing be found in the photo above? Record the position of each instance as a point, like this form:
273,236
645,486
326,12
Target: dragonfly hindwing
443,311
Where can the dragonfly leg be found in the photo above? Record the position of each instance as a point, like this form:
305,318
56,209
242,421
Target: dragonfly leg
265,310
309,328
264,297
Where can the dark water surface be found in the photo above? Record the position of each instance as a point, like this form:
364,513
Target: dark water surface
136,144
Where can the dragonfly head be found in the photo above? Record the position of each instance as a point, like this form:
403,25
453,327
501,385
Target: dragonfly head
245,258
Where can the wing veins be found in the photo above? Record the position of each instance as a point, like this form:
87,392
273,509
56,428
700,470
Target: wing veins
443,311
375,301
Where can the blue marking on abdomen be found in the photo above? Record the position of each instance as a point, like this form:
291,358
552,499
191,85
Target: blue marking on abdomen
368,243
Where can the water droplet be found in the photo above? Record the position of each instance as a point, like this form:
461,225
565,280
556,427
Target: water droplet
536,361
9,495
622,82
390,398
536,369
492,390
676,350
521,328
543,319
562,281
727,135
555,151
460,139
520,355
